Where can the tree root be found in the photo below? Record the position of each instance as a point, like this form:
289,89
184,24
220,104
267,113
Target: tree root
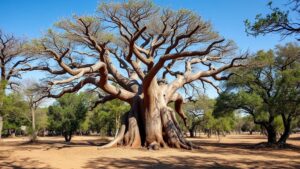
174,136
117,139
130,134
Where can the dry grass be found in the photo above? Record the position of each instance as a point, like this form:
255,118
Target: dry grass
233,151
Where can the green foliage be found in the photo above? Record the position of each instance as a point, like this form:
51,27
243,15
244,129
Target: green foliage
267,90
84,126
247,124
219,125
16,112
200,114
195,110
41,118
277,21
208,120
224,124
278,123
68,113
105,118
3,84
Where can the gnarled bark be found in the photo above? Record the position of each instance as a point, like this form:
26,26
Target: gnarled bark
150,123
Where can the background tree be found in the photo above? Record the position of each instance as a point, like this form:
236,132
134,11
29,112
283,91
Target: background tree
16,110
137,46
106,117
216,124
200,115
41,120
32,94
100,121
196,110
223,125
12,60
284,22
267,90
67,114
84,127
248,125
288,64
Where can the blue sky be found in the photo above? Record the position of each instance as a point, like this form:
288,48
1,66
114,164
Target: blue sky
30,18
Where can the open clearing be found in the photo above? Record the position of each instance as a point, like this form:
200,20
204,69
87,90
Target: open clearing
233,151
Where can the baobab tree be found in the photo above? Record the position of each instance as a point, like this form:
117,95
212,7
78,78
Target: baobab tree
142,55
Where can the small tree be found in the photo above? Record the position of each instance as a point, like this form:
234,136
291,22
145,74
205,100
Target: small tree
33,95
16,110
267,90
196,110
208,123
248,124
67,114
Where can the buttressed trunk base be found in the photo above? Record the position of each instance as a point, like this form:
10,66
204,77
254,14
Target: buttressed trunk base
150,123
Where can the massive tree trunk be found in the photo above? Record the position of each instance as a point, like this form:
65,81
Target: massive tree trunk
150,123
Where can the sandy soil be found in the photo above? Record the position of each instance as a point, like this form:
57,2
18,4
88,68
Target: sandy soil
233,151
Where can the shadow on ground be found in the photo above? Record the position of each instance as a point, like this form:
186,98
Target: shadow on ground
213,155
23,163
294,138
245,149
58,144
174,162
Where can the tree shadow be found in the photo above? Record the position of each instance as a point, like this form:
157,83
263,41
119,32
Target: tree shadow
294,138
246,146
22,163
151,163
249,137
175,162
58,144
245,149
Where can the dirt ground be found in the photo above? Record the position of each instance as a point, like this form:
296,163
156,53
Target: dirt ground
233,151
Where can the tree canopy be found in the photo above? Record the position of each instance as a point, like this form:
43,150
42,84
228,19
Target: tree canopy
284,22
266,90
67,114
